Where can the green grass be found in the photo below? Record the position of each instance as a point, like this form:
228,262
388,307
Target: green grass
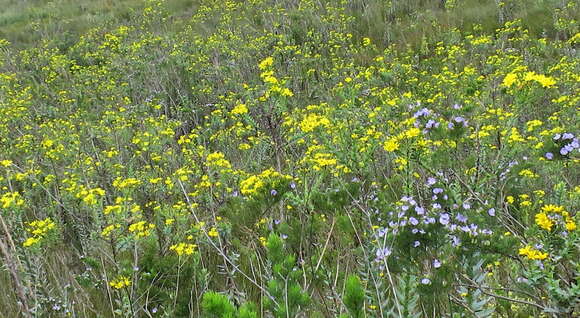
24,23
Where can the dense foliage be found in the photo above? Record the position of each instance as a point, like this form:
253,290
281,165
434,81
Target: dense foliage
295,159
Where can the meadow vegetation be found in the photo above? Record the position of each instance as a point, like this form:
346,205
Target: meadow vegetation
315,158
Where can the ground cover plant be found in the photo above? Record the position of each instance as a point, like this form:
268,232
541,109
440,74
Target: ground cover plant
289,158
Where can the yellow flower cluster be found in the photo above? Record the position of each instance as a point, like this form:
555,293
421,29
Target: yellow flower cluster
532,253
120,282
121,183
10,199
183,248
313,121
109,229
38,229
239,109
515,78
546,222
255,183
141,229
274,85
217,159
90,196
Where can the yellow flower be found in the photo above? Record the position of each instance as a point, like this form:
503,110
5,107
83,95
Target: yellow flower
213,232
509,80
391,145
266,63
183,248
312,121
30,241
543,221
532,253
120,282
5,163
239,109
545,81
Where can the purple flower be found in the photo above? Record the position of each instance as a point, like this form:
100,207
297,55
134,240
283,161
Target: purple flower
381,232
416,244
425,281
557,136
437,190
450,125
444,218
382,253
431,123
419,210
567,136
549,155
461,218
466,205
273,192
456,106
491,212
413,221
293,185
404,207
436,263
422,112
431,181
455,241
436,206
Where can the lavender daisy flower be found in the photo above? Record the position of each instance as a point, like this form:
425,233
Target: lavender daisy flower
455,241
419,210
466,205
381,232
437,190
444,219
413,221
416,244
425,281
431,181
549,155
461,218
436,263
491,212
382,253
